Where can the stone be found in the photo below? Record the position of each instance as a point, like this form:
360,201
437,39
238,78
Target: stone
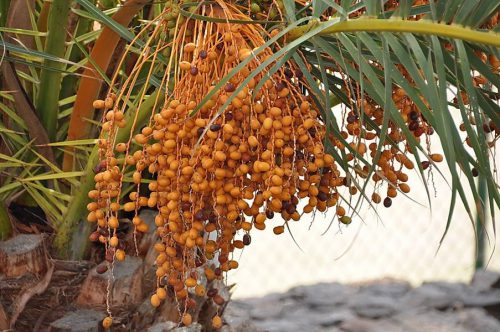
83,320
376,307
478,320
485,280
336,317
394,289
162,327
303,315
237,317
268,307
373,306
439,295
237,312
195,327
280,325
247,327
429,320
322,294
483,299
360,325
244,327
173,327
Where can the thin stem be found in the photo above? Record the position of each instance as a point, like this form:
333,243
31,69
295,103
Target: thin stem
91,82
417,27
481,222
50,79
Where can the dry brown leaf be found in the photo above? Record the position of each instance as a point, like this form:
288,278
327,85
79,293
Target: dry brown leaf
19,18
26,111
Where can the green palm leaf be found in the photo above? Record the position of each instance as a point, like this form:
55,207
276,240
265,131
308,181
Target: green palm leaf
360,47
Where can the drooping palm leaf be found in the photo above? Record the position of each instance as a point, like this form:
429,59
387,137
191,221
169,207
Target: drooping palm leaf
373,48
421,48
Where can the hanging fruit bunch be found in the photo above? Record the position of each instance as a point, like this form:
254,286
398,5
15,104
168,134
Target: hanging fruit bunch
217,175
229,154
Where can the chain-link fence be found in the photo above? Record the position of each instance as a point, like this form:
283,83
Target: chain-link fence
400,242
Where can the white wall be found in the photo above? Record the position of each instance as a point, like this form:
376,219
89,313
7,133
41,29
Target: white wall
403,244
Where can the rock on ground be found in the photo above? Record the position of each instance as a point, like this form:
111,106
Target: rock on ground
381,306
82,320
173,327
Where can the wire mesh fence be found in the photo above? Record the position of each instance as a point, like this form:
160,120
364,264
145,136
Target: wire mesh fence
401,242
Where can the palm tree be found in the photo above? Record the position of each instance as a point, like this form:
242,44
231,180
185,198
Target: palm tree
390,83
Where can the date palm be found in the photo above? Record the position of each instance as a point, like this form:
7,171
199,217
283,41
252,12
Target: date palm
440,58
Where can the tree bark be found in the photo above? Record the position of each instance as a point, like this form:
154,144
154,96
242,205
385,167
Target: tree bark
23,254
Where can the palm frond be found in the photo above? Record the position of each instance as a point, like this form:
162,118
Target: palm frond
443,57
48,97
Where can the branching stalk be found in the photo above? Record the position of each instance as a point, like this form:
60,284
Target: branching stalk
91,82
